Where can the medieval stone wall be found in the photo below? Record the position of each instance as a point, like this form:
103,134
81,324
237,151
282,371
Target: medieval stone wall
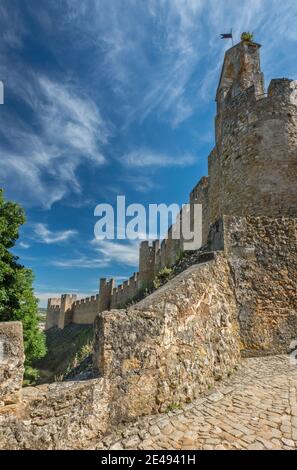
252,171
255,162
172,345
125,292
53,312
11,364
199,195
262,253
168,348
69,415
85,310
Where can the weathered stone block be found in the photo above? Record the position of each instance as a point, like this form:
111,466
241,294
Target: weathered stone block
67,415
173,344
11,362
262,253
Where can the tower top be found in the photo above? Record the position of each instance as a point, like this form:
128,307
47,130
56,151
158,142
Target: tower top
241,69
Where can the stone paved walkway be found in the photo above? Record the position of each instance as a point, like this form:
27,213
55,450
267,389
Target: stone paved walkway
255,409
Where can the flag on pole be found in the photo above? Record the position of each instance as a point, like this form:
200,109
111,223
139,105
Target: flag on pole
227,36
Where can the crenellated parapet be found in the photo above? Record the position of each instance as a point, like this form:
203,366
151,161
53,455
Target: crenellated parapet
126,291
147,254
85,310
105,290
68,309
53,312
252,171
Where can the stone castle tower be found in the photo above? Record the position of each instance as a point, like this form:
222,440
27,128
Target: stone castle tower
253,166
252,171
234,296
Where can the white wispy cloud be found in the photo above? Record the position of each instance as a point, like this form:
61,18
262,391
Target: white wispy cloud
81,262
44,235
41,166
104,253
159,57
144,157
184,36
139,182
113,251
23,245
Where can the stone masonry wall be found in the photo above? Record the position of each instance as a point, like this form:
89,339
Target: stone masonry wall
199,195
11,364
256,167
126,291
69,415
53,312
262,253
85,310
172,345
168,349
252,168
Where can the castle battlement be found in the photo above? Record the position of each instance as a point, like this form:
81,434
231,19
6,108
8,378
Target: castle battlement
252,171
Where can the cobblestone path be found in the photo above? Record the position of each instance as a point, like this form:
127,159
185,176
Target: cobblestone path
254,409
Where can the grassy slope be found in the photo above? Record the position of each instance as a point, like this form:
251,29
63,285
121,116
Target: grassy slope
64,347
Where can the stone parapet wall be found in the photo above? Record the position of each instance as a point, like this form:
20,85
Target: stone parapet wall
11,364
69,415
252,171
125,292
85,310
172,345
262,253
168,349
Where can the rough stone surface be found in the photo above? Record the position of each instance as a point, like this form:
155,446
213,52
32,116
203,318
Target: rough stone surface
252,171
253,410
72,415
11,363
262,253
172,345
178,342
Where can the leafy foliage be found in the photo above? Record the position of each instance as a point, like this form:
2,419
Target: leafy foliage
162,277
247,36
17,301
173,407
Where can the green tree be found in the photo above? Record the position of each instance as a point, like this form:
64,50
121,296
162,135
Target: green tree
17,301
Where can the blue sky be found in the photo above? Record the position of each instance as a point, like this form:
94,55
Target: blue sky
114,97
